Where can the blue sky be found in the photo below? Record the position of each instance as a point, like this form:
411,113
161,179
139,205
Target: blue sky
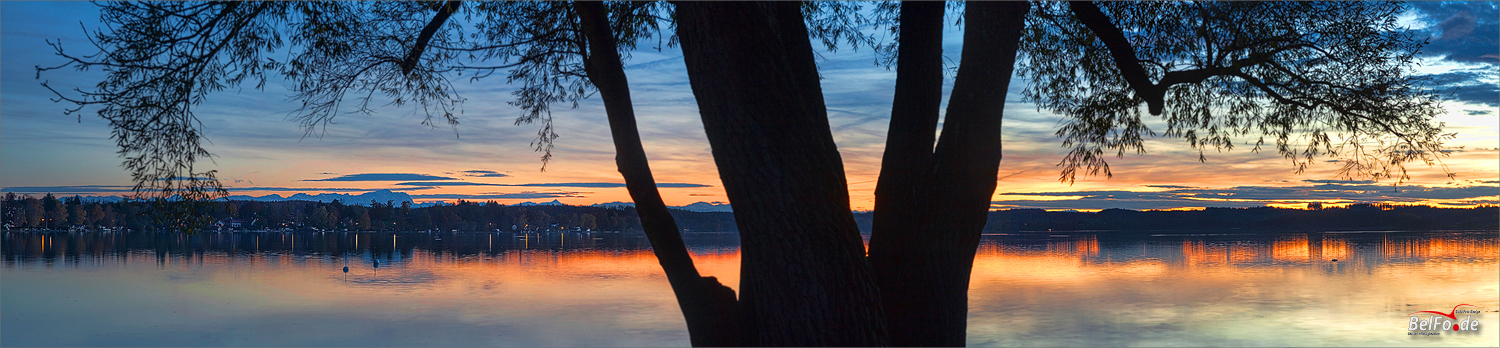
487,156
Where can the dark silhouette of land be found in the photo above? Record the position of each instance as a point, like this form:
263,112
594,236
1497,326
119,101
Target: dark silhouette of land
73,213
1355,217
1262,219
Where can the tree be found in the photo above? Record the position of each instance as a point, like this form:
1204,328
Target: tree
321,219
34,212
77,215
14,211
363,224
588,222
1294,73
930,207
54,212
1298,74
101,215
540,219
792,209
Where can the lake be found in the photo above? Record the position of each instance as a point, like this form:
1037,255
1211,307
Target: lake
1106,288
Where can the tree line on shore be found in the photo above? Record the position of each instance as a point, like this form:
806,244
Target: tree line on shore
1361,216
49,212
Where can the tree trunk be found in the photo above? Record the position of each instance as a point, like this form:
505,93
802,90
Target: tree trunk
924,272
804,278
709,308
904,170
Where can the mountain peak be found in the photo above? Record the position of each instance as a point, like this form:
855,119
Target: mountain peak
379,196
708,207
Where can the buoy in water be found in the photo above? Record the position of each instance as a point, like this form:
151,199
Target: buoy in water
1335,260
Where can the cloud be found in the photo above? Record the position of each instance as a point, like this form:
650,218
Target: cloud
237,179
384,177
448,183
1462,31
574,184
1007,176
659,63
127,189
184,178
564,184
330,189
1133,202
1118,199
1169,186
606,185
69,189
1478,86
1473,202
484,174
1487,94
520,195
1365,193
679,185
1347,191
1340,182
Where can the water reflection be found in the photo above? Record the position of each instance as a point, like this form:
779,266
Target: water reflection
606,289
1139,289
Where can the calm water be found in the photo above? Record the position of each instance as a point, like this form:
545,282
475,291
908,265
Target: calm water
577,289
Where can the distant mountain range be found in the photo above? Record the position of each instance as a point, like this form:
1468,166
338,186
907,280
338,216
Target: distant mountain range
384,196
381,196
701,207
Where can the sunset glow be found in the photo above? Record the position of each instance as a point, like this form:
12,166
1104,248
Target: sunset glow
487,157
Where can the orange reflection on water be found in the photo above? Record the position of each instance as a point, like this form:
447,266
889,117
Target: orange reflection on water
1440,247
1248,253
1058,261
1204,253
1085,246
1201,290
1200,253
1335,248
1291,249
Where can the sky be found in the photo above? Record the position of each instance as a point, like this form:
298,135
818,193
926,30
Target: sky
259,151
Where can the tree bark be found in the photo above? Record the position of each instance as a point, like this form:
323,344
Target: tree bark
904,168
924,272
709,308
804,278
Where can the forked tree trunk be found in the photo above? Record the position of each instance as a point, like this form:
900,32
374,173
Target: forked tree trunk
804,279
904,170
709,308
924,258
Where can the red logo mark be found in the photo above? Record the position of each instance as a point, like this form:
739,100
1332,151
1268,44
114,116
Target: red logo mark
1449,315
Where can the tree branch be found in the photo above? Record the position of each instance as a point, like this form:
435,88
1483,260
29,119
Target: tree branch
427,32
1124,55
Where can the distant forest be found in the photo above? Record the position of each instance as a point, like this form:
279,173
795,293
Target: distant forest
49,212
1353,217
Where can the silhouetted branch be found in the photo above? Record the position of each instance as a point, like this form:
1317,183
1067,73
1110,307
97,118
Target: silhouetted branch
1121,51
432,27
1293,72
